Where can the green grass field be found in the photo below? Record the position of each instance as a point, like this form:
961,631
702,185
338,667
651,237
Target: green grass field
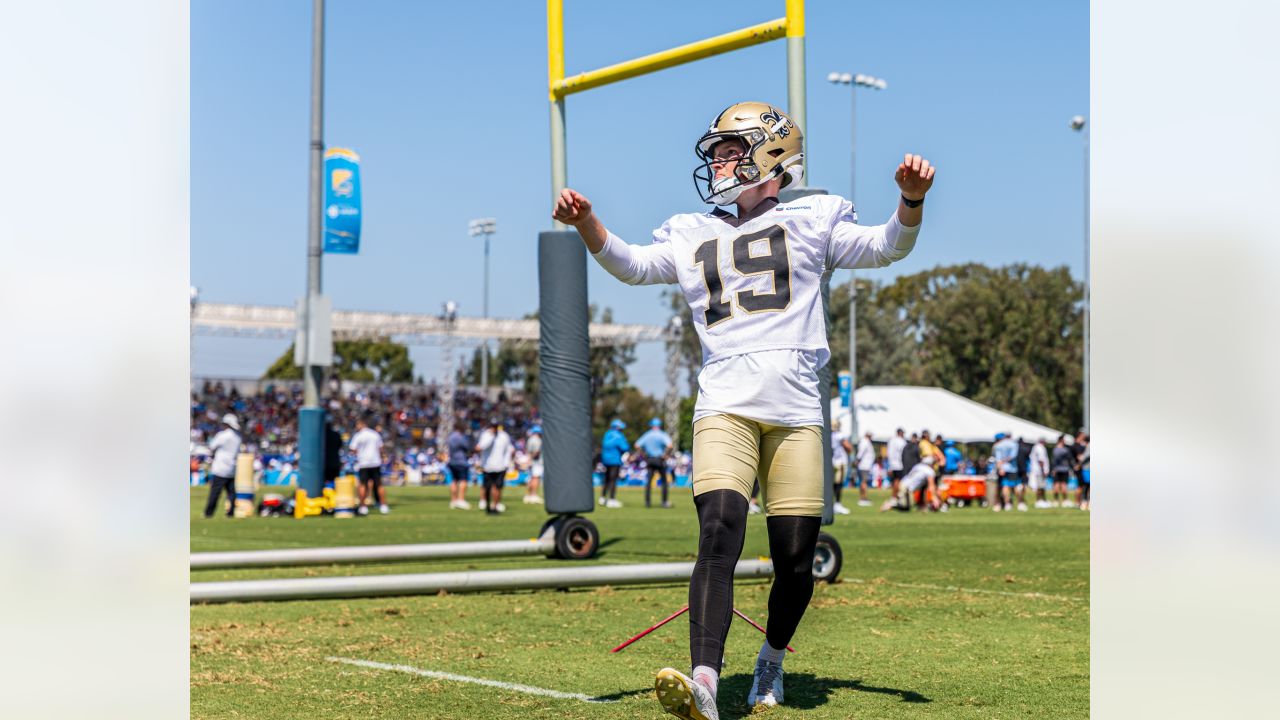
970,614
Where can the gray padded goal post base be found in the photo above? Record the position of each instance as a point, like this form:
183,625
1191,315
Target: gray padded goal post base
564,374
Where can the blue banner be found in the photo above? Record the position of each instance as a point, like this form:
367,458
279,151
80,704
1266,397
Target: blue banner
846,387
341,201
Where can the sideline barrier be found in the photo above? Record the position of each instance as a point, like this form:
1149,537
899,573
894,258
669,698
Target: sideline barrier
476,581
372,553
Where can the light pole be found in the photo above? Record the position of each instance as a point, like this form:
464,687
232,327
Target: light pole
485,227
1078,124
854,82
450,317
311,373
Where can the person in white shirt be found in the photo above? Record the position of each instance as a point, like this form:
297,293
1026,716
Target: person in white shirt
1038,472
533,446
864,461
496,452
367,445
224,447
896,445
753,282
840,451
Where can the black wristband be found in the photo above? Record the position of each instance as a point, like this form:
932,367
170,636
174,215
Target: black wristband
912,203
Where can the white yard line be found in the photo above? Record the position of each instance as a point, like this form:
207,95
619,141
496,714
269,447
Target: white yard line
953,588
528,689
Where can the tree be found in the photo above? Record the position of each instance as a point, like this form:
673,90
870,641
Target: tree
364,360
629,405
1008,337
887,348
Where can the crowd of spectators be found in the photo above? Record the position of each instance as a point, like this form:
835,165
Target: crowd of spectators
407,417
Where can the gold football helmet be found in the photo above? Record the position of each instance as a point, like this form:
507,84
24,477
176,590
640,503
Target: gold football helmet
774,148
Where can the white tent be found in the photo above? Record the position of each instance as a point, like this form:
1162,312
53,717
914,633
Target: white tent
884,409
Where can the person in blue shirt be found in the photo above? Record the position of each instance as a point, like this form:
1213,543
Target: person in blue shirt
459,462
612,447
1005,454
656,446
953,457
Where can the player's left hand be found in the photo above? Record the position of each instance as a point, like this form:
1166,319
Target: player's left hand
914,177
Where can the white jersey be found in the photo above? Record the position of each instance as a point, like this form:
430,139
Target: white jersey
755,293
1039,461
896,445
225,446
838,454
918,477
367,444
866,454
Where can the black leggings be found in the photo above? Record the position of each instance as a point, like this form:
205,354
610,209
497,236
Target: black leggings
610,489
722,517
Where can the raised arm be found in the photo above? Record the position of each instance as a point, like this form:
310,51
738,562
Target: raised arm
632,264
865,246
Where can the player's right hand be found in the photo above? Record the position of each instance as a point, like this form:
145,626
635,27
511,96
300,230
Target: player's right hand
572,207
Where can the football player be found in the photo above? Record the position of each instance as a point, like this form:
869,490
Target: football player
752,280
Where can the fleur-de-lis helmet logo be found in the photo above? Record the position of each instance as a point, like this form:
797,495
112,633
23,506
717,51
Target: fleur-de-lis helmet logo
776,123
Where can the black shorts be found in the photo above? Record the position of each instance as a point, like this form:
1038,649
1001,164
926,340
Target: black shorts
657,466
460,473
495,479
370,475
1061,476
895,474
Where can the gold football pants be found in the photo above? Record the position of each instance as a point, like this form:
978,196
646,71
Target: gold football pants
730,452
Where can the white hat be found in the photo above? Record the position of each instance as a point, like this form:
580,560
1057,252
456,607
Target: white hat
231,420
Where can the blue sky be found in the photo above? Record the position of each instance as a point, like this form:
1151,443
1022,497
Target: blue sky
446,103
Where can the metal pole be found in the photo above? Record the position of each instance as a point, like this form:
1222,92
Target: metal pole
433,583
372,553
484,356
559,161
311,374
795,76
1087,299
853,141
853,274
853,357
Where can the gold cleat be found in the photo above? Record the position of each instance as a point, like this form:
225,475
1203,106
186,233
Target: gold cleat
684,698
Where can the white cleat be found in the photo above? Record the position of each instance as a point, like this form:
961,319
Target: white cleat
840,509
384,508
995,507
766,686
613,504
484,504
754,508
864,503
362,510
604,501
683,697
532,500
1022,507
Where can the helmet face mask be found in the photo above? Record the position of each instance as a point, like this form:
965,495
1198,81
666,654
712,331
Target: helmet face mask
773,148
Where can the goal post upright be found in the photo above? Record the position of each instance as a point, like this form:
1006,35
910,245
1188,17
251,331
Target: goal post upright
790,26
